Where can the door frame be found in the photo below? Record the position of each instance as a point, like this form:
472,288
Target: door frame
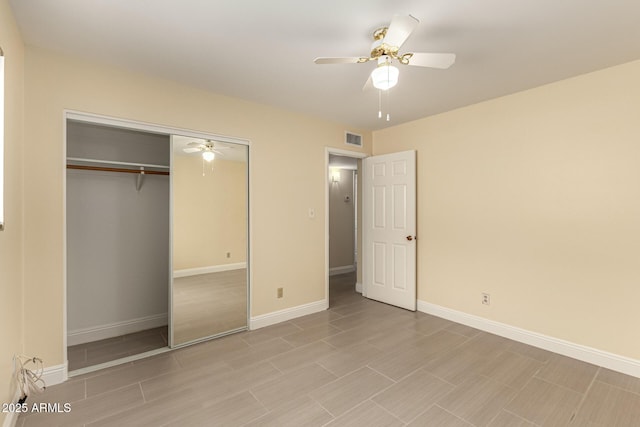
345,153
104,120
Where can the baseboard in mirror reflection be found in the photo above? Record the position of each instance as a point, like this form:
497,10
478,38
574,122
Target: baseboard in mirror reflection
209,269
116,329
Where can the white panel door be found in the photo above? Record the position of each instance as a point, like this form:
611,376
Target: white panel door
389,217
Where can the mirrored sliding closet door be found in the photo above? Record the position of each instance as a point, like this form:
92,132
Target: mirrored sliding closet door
209,250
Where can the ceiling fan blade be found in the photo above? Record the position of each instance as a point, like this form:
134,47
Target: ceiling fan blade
368,85
345,60
433,60
215,150
400,29
191,150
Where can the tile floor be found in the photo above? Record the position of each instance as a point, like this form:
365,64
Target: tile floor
360,363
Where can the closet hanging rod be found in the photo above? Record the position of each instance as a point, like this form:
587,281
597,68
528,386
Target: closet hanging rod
106,169
113,162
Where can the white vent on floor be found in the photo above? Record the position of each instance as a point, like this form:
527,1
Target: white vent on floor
353,139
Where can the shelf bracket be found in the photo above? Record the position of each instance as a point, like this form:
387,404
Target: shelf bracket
140,179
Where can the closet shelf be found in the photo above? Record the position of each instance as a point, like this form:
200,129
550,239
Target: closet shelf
113,162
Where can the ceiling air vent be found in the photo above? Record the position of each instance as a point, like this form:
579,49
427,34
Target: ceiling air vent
353,139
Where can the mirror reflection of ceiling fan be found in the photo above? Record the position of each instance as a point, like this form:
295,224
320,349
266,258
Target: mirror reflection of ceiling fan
387,42
207,148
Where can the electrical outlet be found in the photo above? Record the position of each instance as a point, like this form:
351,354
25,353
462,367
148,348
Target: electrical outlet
486,299
228,254
280,292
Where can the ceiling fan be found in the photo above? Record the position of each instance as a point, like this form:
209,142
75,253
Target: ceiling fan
207,148
385,50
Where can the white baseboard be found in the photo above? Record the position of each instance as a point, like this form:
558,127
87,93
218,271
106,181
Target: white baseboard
287,314
359,287
591,355
209,269
81,336
55,374
342,270
11,418
51,376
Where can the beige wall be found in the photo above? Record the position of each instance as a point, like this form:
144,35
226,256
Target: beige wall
341,220
11,260
209,212
535,199
287,169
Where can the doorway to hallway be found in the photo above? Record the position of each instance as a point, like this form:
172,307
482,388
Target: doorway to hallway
343,216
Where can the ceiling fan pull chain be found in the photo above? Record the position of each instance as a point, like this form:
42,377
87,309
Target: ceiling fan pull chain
388,117
388,105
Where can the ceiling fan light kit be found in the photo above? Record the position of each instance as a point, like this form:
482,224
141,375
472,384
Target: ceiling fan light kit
208,156
385,75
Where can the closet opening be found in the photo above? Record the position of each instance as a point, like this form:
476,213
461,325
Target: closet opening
156,240
117,211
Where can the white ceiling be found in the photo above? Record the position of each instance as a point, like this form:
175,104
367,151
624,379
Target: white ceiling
263,51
